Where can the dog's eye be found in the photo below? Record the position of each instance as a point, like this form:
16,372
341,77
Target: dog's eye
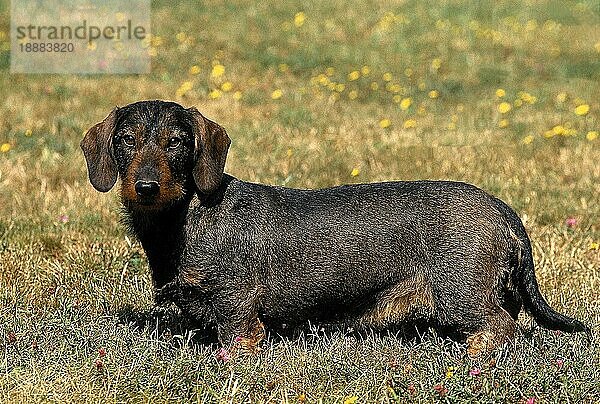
128,140
174,142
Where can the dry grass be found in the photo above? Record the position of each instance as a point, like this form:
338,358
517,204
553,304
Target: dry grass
72,282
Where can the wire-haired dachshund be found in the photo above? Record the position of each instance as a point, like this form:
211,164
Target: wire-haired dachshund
374,255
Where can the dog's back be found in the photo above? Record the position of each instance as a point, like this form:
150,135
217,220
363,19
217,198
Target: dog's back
328,252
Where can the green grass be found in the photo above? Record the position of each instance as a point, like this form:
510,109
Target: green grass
72,282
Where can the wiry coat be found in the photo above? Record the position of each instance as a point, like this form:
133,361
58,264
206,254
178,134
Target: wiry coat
237,253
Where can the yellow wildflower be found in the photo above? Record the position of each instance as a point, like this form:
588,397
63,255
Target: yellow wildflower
283,67
582,109
450,372
340,87
237,95
518,103
387,76
218,70
299,19
374,86
28,132
558,130
405,103
184,88
385,123
436,63
504,107
393,88
353,94
594,245
180,36
409,123
214,94
365,70
5,147
433,94
503,123
330,71
397,98
227,86
355,172
408,72
528,98
195,69
527,139
592,135
500,93
355,75
276,94
351,400
156,40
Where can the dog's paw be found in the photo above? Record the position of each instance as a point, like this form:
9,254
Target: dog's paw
162,310
480,343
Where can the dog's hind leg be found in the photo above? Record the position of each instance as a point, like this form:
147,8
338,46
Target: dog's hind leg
499,328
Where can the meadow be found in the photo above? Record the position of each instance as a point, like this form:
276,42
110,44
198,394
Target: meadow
500,94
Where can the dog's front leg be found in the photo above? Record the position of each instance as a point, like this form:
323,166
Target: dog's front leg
238,326
242,337
168,293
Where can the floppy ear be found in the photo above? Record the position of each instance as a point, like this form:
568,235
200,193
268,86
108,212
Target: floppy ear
96,146
212,144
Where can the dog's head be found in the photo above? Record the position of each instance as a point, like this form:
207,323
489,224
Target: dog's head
161,151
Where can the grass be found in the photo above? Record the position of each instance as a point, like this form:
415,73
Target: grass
75,294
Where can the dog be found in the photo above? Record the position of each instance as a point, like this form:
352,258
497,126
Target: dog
378,255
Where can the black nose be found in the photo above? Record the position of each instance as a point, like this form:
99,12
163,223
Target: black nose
146,188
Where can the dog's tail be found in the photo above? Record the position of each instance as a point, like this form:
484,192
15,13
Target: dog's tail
533,301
